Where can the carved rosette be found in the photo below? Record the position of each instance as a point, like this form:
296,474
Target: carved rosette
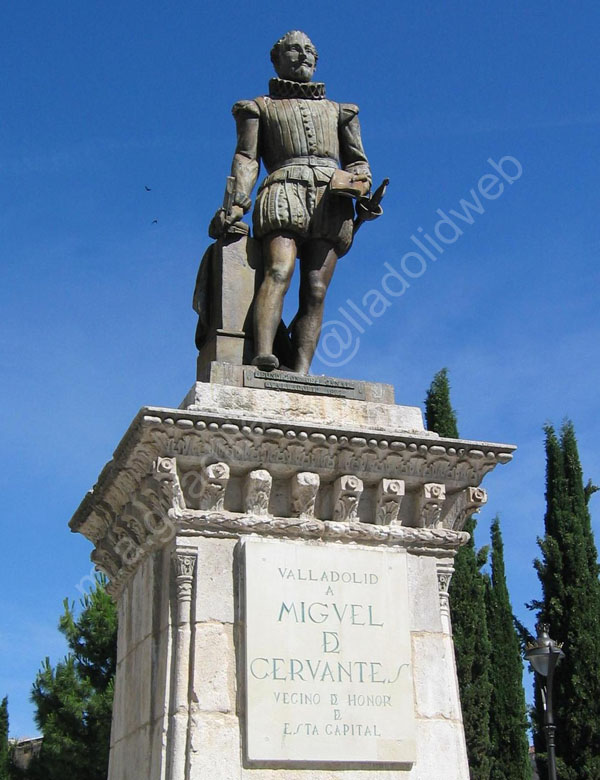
431,503
214,479
165,468
347,491
257,492
184,564
390,493
305,487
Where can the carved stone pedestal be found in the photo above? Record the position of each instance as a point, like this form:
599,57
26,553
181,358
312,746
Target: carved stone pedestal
281,563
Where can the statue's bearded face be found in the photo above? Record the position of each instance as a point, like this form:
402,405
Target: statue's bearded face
297,59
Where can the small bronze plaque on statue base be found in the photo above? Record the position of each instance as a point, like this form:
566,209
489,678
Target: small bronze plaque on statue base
300,383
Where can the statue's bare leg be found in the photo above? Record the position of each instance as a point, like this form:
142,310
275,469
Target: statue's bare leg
279,258
317,264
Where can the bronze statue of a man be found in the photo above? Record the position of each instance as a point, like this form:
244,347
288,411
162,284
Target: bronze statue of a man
304,207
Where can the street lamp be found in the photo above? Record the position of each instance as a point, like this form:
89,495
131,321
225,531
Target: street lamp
544,654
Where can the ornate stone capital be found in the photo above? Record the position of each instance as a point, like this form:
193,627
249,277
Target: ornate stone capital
184,564
214,479
165,471
390,493
431,502
445,569
257,491
305,487
468,503
347,491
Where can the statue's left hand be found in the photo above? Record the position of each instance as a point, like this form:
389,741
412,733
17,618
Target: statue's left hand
221,222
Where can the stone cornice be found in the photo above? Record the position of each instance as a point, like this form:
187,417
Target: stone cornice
160,432
186,473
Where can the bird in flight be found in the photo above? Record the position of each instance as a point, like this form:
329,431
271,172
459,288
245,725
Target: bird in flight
155,222
148,189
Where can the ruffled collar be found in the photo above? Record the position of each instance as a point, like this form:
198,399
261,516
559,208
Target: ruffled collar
284,88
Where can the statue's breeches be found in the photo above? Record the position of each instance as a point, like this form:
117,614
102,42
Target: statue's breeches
296,199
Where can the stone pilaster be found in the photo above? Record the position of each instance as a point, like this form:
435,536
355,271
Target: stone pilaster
184,564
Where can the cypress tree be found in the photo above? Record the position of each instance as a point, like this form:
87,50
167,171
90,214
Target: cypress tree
439,414
508,719
74,699
568,572
467,609
4,745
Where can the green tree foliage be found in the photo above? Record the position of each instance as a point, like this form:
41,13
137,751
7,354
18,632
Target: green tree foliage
74,699
468,609
472,648
8,770
439,414
4,746
508,720
570,604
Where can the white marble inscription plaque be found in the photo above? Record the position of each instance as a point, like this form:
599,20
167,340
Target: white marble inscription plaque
328,660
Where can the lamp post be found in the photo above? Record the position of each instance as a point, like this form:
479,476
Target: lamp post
544,654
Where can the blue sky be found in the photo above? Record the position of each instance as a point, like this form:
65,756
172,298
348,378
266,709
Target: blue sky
101,99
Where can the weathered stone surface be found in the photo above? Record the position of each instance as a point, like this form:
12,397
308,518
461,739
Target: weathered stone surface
158,748
142,598
423,587
160,678
137,755
214,751
117,731
137,672
221,373
215,581
213,668
435,692
280,405
257,492
442,752
305,486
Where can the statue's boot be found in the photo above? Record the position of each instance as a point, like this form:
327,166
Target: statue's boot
266,362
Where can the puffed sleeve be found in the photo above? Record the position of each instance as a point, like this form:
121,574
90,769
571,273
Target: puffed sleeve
353,157
347,112
245,108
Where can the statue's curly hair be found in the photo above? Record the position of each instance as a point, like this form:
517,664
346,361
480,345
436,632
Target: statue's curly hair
277,46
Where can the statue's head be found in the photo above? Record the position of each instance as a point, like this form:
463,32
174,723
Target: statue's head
294,57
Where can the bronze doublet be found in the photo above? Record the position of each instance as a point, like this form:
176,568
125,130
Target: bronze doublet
302,139
297,129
